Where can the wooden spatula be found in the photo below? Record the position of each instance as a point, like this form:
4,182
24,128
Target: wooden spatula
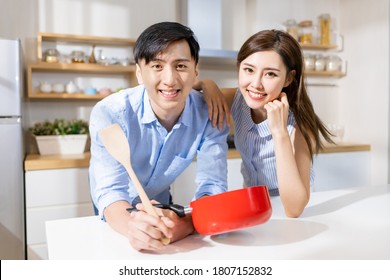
115,141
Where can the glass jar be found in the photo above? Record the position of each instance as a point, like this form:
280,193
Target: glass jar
306,32
324,29
309,60
77,57
333,63
292,28
51,56
320,63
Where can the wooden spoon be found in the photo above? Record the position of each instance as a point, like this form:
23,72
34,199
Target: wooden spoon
115,141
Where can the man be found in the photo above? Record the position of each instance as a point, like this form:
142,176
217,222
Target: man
166,124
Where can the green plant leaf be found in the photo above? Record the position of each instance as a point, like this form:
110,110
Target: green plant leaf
60,127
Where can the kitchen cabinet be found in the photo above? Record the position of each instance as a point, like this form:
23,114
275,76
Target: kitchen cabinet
184,187
342,170
62,70
53,191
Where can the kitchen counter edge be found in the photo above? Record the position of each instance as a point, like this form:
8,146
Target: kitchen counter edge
38,162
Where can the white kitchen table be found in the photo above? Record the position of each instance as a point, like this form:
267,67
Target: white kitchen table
338,224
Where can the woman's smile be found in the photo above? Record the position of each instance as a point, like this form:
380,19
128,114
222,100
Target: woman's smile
256,95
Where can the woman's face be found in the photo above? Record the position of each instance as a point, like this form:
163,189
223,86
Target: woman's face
262,76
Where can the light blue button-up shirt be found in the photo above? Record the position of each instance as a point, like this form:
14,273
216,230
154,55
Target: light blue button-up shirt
157,156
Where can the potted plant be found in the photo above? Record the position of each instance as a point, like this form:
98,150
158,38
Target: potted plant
60,136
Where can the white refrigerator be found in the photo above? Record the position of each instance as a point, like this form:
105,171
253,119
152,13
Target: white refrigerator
12,209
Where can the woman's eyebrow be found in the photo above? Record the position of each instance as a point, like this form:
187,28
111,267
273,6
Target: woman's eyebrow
265,68
271,68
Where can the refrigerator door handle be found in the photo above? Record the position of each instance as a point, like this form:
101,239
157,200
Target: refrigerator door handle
10,120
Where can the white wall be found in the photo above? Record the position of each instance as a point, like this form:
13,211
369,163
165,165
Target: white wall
18,19
111,18
114,18
360,100
364,103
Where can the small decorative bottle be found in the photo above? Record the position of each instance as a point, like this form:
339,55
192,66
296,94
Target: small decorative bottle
92,58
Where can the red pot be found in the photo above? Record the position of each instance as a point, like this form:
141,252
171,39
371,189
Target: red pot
226,211
231,210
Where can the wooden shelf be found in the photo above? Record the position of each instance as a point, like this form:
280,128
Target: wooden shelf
42,69
337,74
317,47
73,68
66,96
345,147
81,67
81,39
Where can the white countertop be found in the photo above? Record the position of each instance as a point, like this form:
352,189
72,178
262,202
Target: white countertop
339,224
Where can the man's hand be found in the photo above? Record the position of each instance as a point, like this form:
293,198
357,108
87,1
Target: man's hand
145,231
181,227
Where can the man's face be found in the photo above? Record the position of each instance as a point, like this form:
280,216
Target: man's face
169,79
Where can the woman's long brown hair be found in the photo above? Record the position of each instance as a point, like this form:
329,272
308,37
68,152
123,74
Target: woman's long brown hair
288,48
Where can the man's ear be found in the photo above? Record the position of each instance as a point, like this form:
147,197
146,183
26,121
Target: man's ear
196,73
290,77
139,74
197,70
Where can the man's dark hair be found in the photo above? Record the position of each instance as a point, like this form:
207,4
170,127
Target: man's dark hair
157,37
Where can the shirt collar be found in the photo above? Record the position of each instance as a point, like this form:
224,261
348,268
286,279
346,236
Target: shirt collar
148,115
248,123
186,115
263,129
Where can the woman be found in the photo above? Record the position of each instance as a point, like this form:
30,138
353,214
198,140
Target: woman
276,129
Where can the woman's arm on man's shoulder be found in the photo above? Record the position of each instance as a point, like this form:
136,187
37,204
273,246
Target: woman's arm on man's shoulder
218,101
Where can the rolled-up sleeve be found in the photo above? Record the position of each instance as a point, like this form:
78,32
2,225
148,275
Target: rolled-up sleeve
108,178
211,162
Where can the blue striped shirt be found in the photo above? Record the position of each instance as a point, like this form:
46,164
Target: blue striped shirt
256,147
157,156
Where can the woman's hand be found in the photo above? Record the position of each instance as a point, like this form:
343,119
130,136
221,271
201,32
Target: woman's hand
216,102
277,114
